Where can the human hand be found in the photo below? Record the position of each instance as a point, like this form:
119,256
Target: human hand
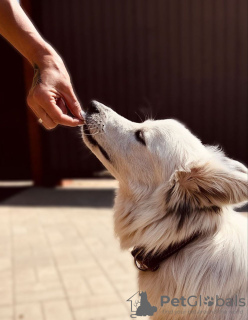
51,93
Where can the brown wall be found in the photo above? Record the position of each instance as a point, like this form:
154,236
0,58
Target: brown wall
183,59
14,142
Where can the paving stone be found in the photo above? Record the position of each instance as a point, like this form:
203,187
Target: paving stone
39,291
5,264
75,286
47,273
6,312
30,311
114,310
100,284
90,301
25,274
57,310
6,297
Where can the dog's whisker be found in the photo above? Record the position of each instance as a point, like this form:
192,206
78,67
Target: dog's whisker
139,116
94,133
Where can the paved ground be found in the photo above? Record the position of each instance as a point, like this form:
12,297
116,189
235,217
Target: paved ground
59,259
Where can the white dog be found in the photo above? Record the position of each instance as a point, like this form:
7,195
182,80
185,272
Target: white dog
174,207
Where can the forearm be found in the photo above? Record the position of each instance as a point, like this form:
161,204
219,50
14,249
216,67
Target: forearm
50,99
16,27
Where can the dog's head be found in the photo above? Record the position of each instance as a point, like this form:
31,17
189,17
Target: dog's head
164,158
138,153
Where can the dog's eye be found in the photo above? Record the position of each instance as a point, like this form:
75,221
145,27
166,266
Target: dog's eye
139,135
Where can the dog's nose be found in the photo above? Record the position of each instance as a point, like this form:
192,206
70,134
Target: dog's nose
93,107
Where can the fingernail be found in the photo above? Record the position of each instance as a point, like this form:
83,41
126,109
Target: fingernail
82,114
81,123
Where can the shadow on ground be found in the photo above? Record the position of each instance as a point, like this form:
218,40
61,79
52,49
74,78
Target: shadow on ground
8,192
47,197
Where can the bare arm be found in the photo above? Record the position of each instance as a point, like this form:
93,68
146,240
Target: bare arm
52,81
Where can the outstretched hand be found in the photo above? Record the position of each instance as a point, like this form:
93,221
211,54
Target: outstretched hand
52,93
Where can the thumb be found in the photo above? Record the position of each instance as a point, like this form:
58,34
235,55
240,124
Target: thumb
73,103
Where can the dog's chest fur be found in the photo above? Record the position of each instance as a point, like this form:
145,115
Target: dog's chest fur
209,267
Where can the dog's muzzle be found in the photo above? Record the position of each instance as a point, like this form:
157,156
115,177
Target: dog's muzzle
94,118
94,124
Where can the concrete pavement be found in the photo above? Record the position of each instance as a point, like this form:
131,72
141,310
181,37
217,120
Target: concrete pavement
59,259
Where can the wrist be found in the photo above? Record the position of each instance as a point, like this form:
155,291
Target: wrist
44,56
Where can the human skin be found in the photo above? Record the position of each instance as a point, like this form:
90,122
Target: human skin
51,92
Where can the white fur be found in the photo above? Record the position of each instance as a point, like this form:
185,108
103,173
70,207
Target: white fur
175,170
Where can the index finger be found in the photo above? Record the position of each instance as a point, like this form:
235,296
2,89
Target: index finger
56,114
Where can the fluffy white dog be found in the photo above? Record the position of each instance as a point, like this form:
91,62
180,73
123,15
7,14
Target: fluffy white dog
174,208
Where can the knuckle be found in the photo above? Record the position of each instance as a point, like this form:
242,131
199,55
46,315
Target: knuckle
74,100
52,126
72,124
77,104
45,126
38,94
57,119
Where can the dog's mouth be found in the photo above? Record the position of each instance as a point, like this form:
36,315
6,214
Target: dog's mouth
90,136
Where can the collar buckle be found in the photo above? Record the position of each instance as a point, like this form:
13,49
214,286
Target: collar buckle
151,261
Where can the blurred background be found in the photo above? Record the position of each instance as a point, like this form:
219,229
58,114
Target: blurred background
162,58
144,58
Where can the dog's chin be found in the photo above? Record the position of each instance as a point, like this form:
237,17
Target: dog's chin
88,138
93,144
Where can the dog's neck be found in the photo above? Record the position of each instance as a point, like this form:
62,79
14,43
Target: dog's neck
143,222
151,261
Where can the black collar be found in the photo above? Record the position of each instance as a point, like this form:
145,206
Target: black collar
151,261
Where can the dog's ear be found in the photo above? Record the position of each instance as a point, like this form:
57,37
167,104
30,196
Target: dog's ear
207,185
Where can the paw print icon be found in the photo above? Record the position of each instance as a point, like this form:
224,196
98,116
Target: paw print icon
209,301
